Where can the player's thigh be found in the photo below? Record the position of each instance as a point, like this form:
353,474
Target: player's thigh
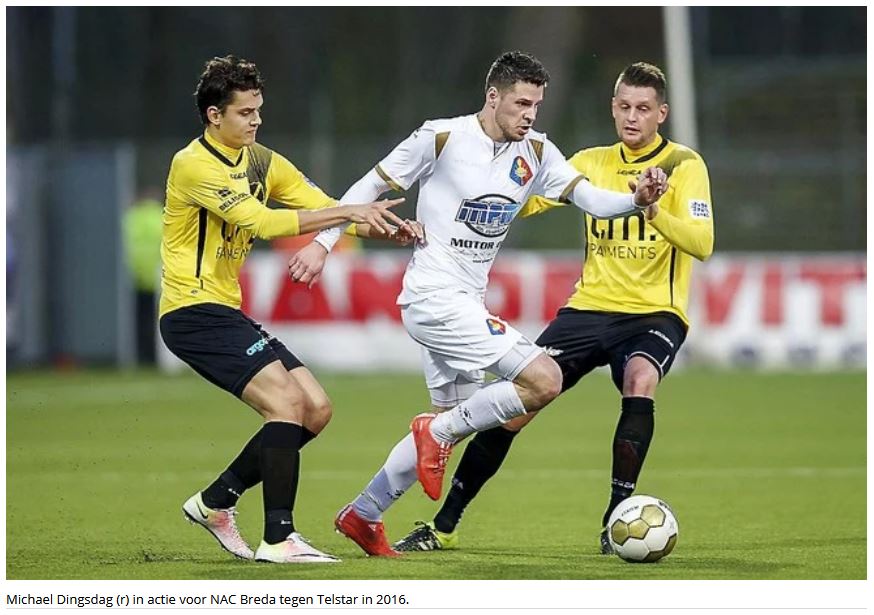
318,409
275,395
457,328
574,339
220,343
644,351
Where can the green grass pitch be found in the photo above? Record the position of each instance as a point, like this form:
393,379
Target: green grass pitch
767,475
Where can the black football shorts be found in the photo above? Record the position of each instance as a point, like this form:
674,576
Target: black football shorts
222,344
581,340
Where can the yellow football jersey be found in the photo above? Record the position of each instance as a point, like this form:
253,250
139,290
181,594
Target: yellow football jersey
635,266
216,205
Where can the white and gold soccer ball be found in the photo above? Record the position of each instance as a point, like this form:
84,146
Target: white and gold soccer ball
642,529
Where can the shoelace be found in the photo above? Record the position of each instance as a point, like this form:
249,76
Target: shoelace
422,531
443,453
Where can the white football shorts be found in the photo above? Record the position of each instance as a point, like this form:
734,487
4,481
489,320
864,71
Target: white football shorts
459,337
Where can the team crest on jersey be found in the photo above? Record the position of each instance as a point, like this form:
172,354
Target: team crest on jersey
496,327
489,215
520,172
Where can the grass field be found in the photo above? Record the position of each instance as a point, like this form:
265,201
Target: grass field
767,475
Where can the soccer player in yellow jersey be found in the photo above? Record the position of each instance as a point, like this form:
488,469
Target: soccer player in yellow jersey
217,192
629,307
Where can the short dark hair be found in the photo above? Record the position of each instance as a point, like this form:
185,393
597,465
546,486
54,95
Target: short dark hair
221,77
644,75
514,66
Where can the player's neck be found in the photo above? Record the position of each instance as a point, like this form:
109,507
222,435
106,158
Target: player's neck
642,150
216,141
490,126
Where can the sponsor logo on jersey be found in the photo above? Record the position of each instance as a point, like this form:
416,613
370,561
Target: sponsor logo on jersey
520,172
699,209
242,175
489,215
224,192
496,327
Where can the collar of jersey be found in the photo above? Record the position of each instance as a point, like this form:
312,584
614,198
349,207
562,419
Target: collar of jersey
497,146
224,153
648,152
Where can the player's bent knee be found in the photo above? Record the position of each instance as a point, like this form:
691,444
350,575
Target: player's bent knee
550,381
320,415
543,380
641,378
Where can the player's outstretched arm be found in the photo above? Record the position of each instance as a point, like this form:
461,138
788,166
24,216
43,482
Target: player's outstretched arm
376,215
561,181
306,265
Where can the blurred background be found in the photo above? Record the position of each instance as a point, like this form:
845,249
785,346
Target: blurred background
99,100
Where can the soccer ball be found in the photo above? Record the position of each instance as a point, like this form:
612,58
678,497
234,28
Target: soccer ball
642,529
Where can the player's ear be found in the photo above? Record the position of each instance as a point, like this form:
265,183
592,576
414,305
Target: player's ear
214,115
492,96
663,112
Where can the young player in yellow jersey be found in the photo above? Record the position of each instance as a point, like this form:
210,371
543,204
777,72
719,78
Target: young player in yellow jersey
629,307
217,193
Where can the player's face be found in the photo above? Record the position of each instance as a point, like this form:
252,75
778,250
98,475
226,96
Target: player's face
238,125
638,115
516,109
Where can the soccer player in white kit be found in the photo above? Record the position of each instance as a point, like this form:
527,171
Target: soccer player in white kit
474,174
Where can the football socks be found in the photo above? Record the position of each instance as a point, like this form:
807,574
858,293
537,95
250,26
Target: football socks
481,460
394,478
279,460
630,443
492,405
243,473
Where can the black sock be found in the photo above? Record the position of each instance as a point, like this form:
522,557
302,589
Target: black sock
279,460
630,444
244,473
305,437
482,458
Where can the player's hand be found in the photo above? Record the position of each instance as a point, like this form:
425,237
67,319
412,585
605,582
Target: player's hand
376,214
652,211
307,264
649,187
411,231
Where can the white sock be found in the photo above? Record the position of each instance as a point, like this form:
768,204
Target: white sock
493,405
397,474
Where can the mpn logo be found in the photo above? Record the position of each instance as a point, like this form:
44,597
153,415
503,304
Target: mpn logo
489,215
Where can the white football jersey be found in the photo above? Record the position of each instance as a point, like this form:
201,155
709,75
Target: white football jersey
470,190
